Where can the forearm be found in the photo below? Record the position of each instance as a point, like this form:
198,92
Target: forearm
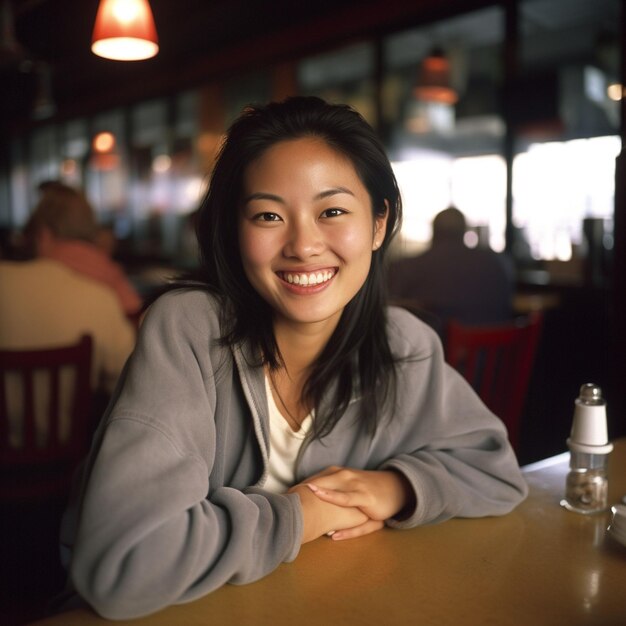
161,540
468,483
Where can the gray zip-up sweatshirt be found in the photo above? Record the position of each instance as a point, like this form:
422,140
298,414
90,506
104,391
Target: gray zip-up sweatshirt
171,502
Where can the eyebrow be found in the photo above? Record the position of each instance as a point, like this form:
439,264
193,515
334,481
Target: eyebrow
332,192
263,196
273,197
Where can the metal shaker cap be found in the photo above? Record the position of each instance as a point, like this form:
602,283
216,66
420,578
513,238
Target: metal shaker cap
590,395
589,428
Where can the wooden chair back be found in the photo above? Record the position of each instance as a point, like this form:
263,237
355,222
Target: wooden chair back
45,411
497,361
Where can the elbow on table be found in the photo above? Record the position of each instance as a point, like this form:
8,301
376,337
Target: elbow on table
115,596
505,500
123,606
521,489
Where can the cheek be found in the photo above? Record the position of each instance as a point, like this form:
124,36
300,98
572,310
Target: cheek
355,242
256,246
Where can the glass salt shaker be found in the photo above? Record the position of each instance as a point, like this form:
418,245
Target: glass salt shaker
586,487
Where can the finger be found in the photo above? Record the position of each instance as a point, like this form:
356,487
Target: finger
339,498
366,528
340,480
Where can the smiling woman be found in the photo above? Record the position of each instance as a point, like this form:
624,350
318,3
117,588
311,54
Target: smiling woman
273,398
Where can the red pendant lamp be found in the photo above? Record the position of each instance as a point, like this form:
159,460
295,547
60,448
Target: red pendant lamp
125,31
433,83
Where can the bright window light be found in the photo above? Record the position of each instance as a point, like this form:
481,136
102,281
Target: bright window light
556,185
479,191
424,183
431,182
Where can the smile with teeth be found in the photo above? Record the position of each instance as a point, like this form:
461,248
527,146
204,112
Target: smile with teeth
308,278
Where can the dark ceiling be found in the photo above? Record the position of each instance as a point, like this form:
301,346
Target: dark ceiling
208,40
200,40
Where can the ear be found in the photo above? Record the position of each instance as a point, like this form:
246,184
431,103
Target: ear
380,228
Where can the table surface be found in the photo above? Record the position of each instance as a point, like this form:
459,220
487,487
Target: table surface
539,565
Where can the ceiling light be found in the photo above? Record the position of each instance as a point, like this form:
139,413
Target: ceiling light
615,91
104,155
125,31
433,81
103,142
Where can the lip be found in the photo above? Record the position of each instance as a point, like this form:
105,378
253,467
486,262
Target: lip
308,269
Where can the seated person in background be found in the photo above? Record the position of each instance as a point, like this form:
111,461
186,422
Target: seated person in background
43,304
105,240
63,228
452,281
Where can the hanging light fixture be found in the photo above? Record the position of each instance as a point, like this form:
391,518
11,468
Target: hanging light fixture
125,31
104,154
433,82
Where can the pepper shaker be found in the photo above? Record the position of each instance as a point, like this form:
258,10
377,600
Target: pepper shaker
586,487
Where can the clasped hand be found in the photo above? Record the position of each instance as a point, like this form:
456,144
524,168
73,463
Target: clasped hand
349,502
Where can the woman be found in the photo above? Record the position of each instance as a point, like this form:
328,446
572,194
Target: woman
273,399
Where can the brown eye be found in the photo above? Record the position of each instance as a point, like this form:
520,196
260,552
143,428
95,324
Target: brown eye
267,217
333,212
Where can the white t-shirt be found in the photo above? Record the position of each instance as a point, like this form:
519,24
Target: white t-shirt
284,446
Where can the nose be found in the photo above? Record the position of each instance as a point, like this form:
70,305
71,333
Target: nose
304,240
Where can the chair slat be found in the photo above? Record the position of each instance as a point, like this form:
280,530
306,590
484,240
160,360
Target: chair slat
28,402
502,374
471,364
4,412
54,408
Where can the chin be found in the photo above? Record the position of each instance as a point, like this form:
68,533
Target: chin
312,317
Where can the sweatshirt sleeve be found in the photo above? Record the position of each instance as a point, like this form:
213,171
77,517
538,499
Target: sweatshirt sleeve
153,530
456,454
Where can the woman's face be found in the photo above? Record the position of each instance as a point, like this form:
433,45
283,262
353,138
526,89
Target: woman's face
306,231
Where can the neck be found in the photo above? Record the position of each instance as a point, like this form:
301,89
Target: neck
301,344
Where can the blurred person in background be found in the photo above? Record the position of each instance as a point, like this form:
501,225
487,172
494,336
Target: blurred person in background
63,228
70,288
452,281
106,240
44,304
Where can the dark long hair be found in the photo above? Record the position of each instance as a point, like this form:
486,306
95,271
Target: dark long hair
357,358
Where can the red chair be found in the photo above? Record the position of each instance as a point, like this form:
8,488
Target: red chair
497,361
43,387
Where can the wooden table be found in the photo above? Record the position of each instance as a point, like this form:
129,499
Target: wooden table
540,565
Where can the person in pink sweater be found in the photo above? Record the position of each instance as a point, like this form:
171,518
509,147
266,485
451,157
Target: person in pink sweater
63,228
